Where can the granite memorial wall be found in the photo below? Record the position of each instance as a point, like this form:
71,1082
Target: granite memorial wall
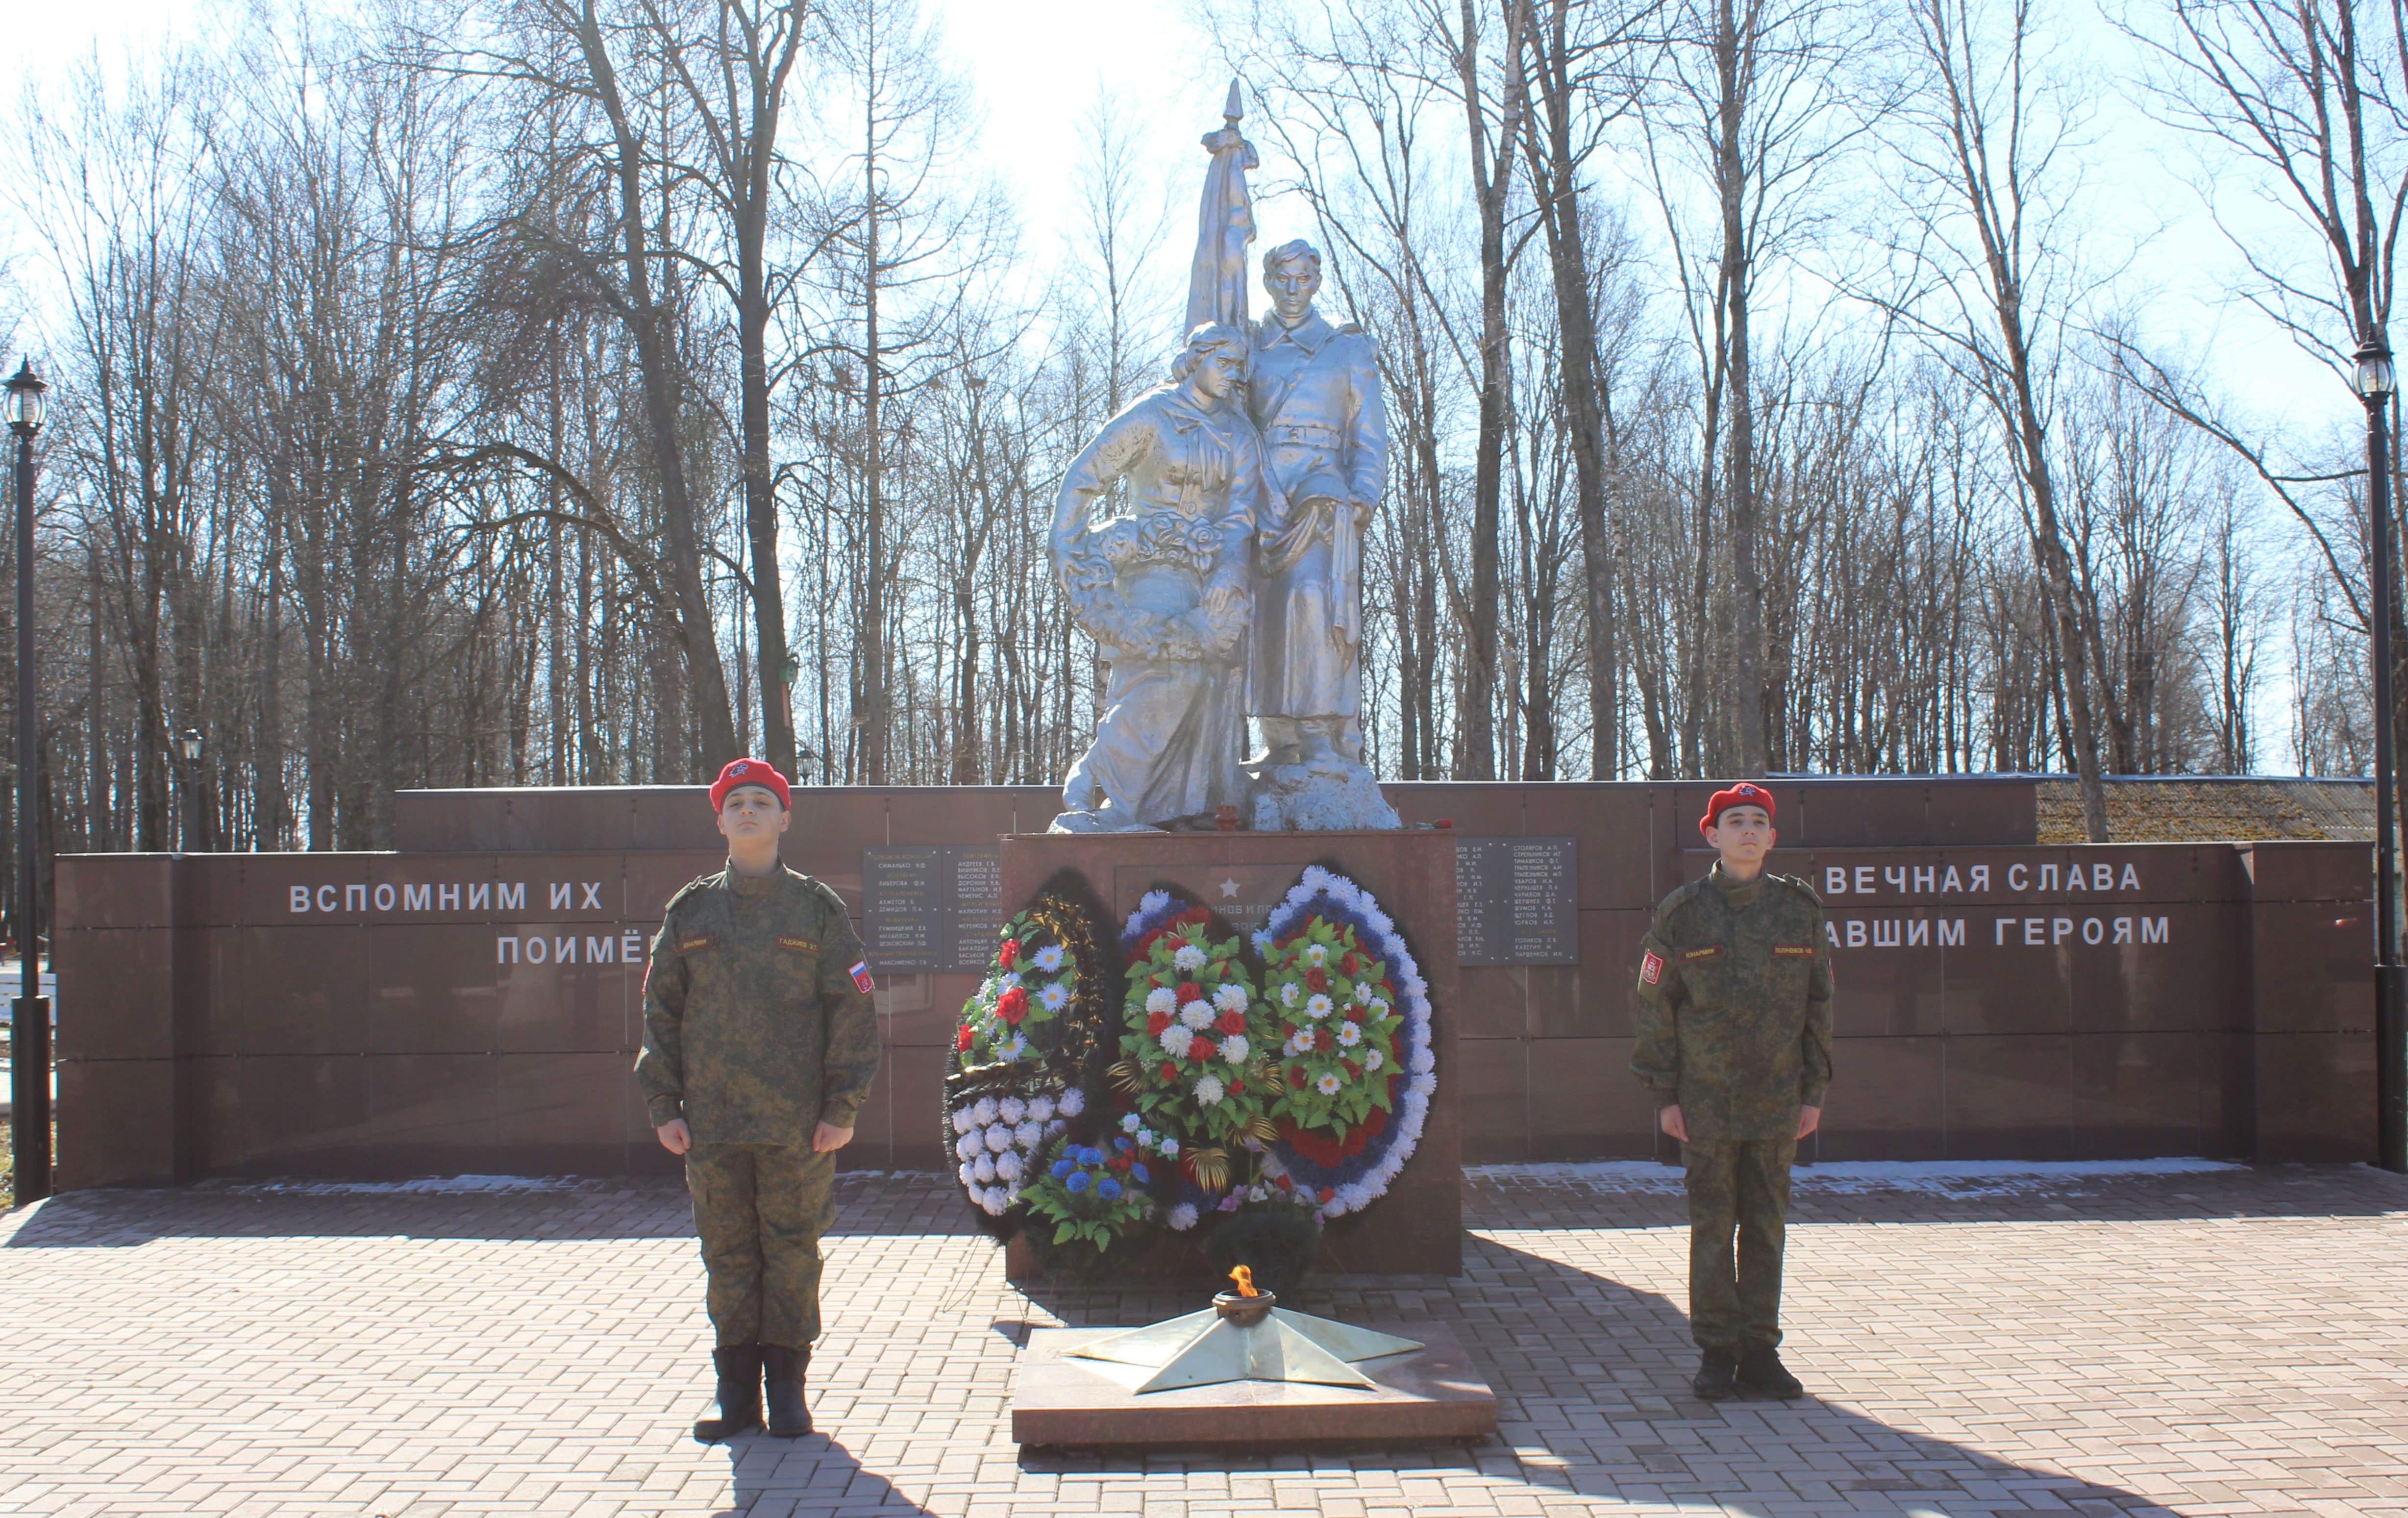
470,1002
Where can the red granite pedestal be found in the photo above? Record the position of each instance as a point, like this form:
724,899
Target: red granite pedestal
1417,1227
1428,1396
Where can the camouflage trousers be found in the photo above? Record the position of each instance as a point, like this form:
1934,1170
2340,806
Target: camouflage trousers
760,1209
1737,1187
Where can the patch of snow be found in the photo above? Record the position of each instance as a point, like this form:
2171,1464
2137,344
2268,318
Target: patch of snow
456,1185
1952,1178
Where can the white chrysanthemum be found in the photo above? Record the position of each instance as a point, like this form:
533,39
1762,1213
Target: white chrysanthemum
1380,922
983,1168
1288,993
1422,1085
1009,1166
1234,1049
1328,1085
985,1111
1055,996
1040,1106
1012,1110
1166,1147
1209,1090
1362,993
1350,1034
996,1201
967,1173
1028,1135
1131,1122
1379,1006
1316,954
1049,959
1373,1059
1262,941
1073,1102
1145,1137
1230,998
1317,878
1423,1062
971,1146
1197,1016
964,1120
1162,999
1319,1005
1188,957
1182,1217
1153,901
1355,1194
1174,1040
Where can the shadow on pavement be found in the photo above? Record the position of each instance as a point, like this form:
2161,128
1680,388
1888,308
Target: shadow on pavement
813,1474
1591,1383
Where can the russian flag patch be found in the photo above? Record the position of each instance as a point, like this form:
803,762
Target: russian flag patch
860,973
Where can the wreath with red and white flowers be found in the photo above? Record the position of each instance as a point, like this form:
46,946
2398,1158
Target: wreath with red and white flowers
1192,1046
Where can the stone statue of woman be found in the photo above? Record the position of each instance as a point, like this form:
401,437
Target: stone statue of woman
1165,585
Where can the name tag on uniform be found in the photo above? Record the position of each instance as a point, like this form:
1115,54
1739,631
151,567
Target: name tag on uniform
1651,970
1793,950
1711,950
800,946
701,940
860,973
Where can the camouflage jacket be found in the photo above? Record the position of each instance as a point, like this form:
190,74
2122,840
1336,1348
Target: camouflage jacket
755,1028
1735,1006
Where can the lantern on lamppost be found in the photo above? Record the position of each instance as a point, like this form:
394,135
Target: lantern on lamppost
2375,382
190,743
29,1036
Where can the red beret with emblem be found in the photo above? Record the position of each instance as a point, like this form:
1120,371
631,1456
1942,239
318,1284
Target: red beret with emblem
1745,793
751,772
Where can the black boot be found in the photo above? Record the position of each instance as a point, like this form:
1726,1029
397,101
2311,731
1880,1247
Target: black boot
1712,1381
1760,1371
789,1416
739,1394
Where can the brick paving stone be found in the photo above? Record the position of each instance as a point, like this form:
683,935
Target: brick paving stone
2195,1342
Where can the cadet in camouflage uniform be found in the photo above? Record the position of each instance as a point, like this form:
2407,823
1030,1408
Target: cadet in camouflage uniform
760,1041
1735,1035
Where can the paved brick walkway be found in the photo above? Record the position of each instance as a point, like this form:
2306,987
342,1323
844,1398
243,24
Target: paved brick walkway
2220,1341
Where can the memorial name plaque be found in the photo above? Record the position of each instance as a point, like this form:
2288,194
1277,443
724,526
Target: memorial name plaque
1517,901
930,908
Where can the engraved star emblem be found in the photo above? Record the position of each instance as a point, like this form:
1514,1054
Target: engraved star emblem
1228,890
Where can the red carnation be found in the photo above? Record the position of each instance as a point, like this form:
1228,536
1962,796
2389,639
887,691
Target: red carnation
1284,1183
1317,978
1296,1076
1326,1193
1199,1048
1236,1087
1189,991
1353,1012
1353,1071
1325,1040
1230,1021
1169,1071
962,1038
1010,952
1013,1006
1347,964
1156,1022
1121,1163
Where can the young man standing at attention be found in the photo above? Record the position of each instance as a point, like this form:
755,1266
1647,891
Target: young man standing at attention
760,1041
1735,1037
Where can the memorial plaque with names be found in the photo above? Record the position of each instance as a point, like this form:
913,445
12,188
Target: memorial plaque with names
1517,901
930,908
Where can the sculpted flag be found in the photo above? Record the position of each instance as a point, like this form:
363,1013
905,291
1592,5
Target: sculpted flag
1225,226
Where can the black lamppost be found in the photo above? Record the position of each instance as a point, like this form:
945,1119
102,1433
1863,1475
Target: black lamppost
189,743
2375,383
29,1050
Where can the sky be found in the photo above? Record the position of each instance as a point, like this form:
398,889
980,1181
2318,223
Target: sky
1036,67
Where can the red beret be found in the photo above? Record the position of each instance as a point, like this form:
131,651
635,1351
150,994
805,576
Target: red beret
1745,793
750,772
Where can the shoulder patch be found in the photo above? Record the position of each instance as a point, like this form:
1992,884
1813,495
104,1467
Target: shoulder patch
1651,970
861,979
1710,950
800,946
699,940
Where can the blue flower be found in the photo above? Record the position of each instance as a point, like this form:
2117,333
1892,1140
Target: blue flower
1062,1168
1143,1178
1121,1143
1079,1179
1107,1188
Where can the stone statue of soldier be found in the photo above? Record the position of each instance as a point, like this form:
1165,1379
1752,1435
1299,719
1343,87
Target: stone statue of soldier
1315,395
